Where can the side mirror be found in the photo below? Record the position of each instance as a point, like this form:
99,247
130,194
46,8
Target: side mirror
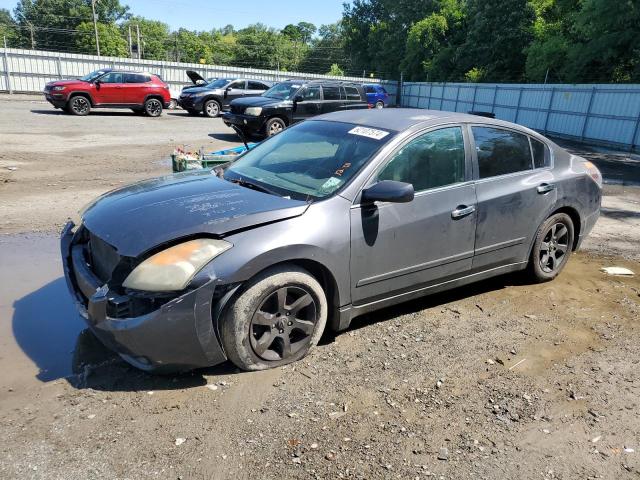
298,98
97,83
388,191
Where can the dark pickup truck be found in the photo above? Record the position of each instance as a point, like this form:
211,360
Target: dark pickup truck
292,101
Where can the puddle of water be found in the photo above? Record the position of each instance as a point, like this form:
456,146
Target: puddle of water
39,325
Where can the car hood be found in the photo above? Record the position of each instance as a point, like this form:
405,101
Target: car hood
144,215
195,77
60,83
258,102
192,90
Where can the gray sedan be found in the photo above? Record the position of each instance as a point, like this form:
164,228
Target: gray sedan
334,217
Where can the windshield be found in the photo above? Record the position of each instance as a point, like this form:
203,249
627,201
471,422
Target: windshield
93,75
282,91
311,160
219,83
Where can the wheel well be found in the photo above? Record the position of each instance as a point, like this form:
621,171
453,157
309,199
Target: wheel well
281,117
326,280
81,94
156,96
575,218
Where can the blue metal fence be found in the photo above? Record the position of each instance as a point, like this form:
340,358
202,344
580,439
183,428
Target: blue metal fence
599,114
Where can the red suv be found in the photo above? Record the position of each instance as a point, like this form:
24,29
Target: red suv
141,92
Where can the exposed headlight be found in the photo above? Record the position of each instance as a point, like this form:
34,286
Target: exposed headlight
173,268
58,88
253,111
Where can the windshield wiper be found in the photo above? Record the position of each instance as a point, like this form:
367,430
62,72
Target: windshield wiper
253,186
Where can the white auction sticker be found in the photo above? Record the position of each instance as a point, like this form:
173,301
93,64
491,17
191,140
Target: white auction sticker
369,132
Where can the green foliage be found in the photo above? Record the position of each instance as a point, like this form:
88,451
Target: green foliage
336,71
112,44
8,28
475,75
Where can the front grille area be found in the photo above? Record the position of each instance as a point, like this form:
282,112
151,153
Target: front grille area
104,258
238,109
111,269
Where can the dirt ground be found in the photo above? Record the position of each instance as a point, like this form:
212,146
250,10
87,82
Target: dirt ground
497,380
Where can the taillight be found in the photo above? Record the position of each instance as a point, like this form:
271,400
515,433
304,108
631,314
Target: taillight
593,172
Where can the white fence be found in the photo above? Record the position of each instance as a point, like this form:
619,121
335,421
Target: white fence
27,71
607,114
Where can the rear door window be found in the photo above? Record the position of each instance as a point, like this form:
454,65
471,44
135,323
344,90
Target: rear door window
237,85
432,160
369,89
541,155
331,92
310,93
136,78
256,86
501,151
352,93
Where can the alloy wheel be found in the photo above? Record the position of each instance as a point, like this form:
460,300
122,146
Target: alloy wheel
283,324
379,105
554,247
154,107
212,109
276,127
80,105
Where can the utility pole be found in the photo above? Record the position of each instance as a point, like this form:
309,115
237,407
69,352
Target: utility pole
33,42
95,24
130,46
138,33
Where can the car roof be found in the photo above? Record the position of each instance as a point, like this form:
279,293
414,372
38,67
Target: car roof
400,119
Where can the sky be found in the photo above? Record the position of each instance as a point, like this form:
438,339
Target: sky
208,14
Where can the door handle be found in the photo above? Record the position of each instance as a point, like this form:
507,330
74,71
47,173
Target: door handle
462,211
545,188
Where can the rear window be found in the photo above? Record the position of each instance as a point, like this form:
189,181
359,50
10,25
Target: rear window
541,155
501,151
331,92
352,93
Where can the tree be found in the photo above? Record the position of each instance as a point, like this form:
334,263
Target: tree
326,50
53,22
8,27
156,41
336,71
606,47
499,33
112,43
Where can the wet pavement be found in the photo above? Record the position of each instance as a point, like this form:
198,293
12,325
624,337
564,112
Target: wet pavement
39,326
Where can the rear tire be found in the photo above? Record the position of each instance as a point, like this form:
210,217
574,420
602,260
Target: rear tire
551,249
153,107
278,317
78,105
211,108
173,104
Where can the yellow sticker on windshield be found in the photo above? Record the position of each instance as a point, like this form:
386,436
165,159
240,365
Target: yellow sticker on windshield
369,132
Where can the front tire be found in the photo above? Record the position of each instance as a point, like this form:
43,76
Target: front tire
274,126
153,107
173,104
277,319
551,249
79,105
379,105
211,108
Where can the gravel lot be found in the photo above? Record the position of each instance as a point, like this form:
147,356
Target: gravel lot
497,380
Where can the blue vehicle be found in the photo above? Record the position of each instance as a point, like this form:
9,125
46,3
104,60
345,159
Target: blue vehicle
377,96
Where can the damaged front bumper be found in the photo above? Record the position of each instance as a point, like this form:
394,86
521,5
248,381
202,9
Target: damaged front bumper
179,335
